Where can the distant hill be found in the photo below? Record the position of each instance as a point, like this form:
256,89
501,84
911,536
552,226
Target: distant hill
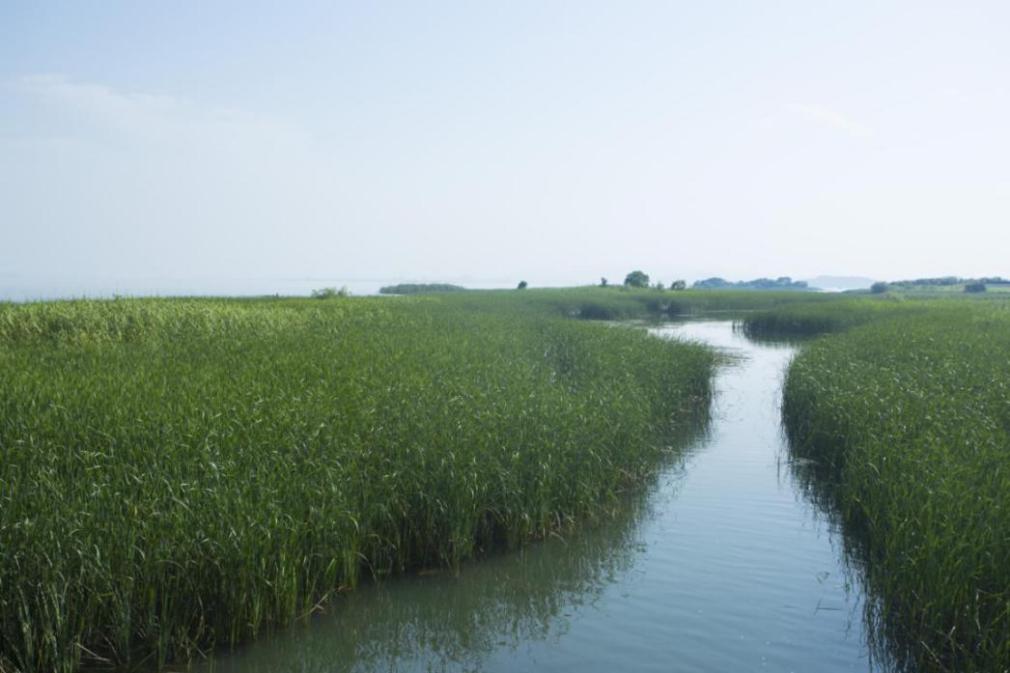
840,283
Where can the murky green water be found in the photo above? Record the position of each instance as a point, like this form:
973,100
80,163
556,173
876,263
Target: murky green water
720,566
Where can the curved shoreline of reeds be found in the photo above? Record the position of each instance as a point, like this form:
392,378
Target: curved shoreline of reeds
905,416
180,474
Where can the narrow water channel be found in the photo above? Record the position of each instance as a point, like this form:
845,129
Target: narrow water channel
720,566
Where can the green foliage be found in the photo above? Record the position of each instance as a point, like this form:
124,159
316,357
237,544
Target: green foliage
974,287
179,474
906,417
522,285
330,292
879,287
678,285
637,279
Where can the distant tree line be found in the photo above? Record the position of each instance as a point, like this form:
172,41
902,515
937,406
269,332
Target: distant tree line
640,279
970,285
943,281
420,288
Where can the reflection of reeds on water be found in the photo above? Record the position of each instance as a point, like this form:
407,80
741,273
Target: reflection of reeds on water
899,433
817,482
449,620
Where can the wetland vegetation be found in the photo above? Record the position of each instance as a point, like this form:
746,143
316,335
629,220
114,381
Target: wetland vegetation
903,413
183,473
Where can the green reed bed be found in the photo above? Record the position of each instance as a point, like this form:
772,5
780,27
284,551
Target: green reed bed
837,313
625,303
180,474
816,315
908,420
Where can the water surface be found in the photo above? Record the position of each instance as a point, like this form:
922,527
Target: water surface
720,565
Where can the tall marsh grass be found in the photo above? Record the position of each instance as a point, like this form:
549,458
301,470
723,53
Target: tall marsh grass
907,418
182,474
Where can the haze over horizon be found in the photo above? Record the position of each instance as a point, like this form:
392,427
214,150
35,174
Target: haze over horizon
553,143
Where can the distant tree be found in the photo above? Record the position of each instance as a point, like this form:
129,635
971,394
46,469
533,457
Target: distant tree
659,285
678,285
521,285
974,287
603,282
637,279
880,287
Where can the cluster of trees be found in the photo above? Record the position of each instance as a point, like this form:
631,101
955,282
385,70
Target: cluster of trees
640,279
330,292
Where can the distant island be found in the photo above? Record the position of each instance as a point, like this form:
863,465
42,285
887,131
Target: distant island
780,283
420,288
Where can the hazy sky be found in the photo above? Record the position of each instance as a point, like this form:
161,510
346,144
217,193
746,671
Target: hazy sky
551,141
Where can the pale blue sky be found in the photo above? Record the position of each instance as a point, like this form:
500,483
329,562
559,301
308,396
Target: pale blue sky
552,141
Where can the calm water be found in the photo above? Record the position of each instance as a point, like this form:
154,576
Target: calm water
720,566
